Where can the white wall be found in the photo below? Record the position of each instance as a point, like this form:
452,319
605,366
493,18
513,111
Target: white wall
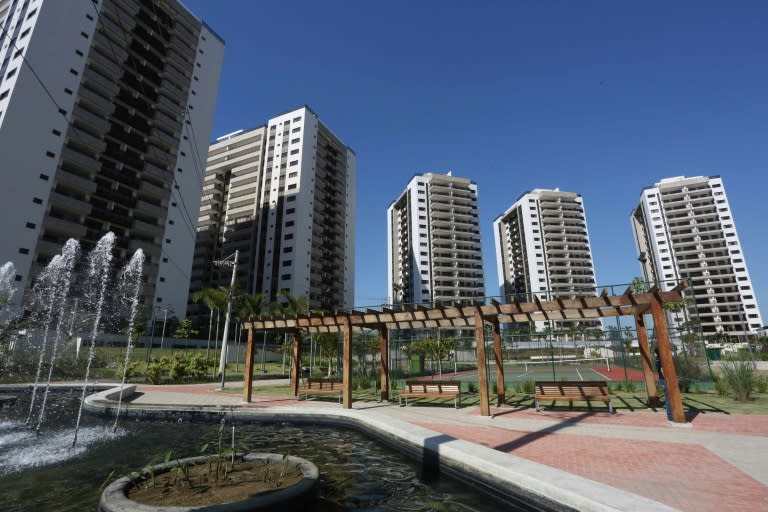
26,132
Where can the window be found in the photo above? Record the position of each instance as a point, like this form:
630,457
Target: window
84,35
287,250
285,277
44,177
23,34
289,236
4,94
290,210
50,154
23,251
292,186
31,225
295,162
287,263
297,129
11,73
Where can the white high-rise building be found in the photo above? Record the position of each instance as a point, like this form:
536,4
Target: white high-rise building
283,196
101,105
684,230
543,250
433,233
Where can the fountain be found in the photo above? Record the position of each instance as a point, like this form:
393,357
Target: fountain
46,463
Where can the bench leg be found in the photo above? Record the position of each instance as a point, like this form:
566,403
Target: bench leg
610,408
536,405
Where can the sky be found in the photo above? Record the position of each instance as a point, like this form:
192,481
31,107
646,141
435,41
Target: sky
601,98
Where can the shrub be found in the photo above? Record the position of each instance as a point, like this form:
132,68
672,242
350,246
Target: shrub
157,369
740,377
527,387
129,373
360,382
721,388
629,386
471,387
761,384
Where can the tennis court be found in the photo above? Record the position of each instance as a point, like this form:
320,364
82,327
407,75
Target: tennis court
558,369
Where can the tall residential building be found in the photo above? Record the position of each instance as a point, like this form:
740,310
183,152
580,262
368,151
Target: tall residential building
543,250
283,196
684,230
100,107
434,253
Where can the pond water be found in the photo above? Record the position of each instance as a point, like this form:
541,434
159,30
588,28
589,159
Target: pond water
357,473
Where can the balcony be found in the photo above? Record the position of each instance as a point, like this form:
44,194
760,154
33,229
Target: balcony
75,182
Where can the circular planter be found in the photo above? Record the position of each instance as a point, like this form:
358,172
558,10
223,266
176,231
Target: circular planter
115,496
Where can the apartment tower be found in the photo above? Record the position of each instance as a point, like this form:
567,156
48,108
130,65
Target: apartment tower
684,230
543,250
283,196
434,252
101,105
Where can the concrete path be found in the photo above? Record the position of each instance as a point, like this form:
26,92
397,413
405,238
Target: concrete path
630,460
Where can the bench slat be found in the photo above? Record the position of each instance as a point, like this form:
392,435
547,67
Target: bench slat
432,389
572,391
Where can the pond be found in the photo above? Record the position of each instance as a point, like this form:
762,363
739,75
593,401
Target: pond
45,473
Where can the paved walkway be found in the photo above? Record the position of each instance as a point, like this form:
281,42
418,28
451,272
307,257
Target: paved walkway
630,460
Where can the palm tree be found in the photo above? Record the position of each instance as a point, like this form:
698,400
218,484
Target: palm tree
249,307
294,306
215,299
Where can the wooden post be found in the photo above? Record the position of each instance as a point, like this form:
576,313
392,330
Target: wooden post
346,369
384,347
499,360
295,362
667,363
482,364
647,361
248,373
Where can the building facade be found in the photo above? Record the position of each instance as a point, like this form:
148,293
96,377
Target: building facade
434,251
100,107
684,230
283,196
543,249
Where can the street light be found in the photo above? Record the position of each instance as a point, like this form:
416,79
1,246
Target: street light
223,360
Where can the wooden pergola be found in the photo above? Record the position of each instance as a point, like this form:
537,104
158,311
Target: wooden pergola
637,305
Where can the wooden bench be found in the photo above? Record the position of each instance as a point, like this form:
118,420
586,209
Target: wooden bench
322,387
573,391
431,389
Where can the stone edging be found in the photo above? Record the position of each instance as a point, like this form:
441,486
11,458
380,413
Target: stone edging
115,499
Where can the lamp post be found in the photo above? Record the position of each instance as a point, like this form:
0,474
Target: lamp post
223,360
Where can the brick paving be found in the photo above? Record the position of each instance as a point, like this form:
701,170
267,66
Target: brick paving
717,462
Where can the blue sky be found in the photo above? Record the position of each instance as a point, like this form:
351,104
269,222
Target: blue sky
596,97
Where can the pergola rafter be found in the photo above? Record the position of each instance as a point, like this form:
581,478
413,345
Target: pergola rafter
495,313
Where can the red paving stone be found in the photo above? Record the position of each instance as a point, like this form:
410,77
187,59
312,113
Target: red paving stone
684,476
747,424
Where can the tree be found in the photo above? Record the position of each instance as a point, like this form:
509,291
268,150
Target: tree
215,299
639,285
185,330
328,343
432,349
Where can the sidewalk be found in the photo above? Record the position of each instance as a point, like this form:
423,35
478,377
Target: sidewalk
587,460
